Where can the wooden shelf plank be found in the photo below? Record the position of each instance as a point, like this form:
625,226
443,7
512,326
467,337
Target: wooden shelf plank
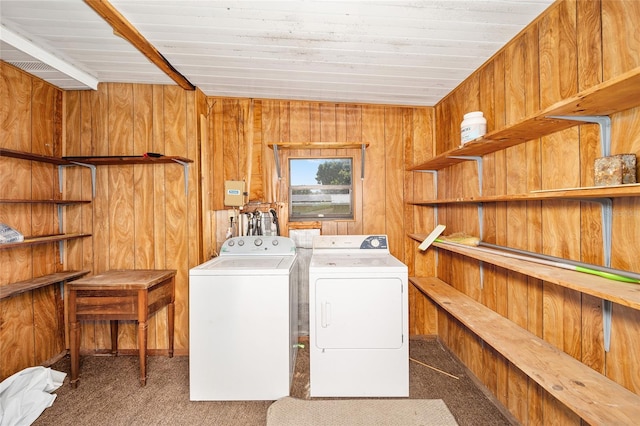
30,241
32,157
625,294
629,190
125,160
318,145
50,201
609,97
591,395
13,289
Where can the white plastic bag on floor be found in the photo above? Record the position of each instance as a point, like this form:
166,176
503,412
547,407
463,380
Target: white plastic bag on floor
26,394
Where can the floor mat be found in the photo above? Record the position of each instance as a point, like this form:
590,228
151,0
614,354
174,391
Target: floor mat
356,412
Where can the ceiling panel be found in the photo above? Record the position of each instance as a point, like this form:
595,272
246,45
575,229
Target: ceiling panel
387,52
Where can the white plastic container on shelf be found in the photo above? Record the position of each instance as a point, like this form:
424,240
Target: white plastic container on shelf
473,126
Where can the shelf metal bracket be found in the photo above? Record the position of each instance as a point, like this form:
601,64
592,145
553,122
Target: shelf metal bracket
480,227
91,167
362,163
604,121
185,167
276,158
61,250
605,128
60,223
478,161
607,224
435,191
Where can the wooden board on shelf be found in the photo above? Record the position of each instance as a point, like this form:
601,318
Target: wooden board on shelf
43,240
591,395
121,160
591,192
50,201
14,289
318,145
622,293
615,95
32,157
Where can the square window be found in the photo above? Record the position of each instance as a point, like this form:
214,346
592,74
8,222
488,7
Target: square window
320,188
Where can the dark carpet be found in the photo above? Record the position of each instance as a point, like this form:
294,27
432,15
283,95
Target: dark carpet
109,392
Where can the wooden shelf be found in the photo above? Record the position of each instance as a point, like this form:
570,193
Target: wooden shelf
13,289
51,201
33,157
121,160
591,395
318,145
615,95
30,241
625,294
592,192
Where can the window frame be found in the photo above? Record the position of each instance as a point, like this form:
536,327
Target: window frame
307,218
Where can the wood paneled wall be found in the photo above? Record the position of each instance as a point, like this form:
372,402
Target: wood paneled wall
573,46
31,324
241,131
141,216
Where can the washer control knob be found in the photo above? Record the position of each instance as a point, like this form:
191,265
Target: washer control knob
231,243
240,243
274,242
257,242
375,243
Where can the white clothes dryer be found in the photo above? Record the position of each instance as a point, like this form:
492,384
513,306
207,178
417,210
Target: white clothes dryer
243,321
358,318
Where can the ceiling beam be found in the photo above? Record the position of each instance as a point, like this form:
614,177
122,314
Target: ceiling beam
123,28
28,47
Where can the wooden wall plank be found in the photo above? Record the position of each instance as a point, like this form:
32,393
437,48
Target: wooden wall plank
373,190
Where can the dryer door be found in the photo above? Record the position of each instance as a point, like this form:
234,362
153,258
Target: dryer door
358,313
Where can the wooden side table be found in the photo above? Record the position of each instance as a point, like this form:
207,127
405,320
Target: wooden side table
120,295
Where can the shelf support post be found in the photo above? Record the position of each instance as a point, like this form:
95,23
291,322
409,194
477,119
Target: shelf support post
185,167
605,128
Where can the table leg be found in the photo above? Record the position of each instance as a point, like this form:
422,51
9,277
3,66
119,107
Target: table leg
74,340
171,320
143,313
114,337
74,331
142,350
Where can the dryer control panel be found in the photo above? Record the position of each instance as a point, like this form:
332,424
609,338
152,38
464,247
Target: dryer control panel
378,242
350,242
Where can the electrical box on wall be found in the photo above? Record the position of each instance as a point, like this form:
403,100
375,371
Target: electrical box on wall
234,193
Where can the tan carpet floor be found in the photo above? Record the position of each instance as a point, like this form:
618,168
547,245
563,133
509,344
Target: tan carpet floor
109,392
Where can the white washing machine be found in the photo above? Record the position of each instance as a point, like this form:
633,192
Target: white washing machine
243,325
358,318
